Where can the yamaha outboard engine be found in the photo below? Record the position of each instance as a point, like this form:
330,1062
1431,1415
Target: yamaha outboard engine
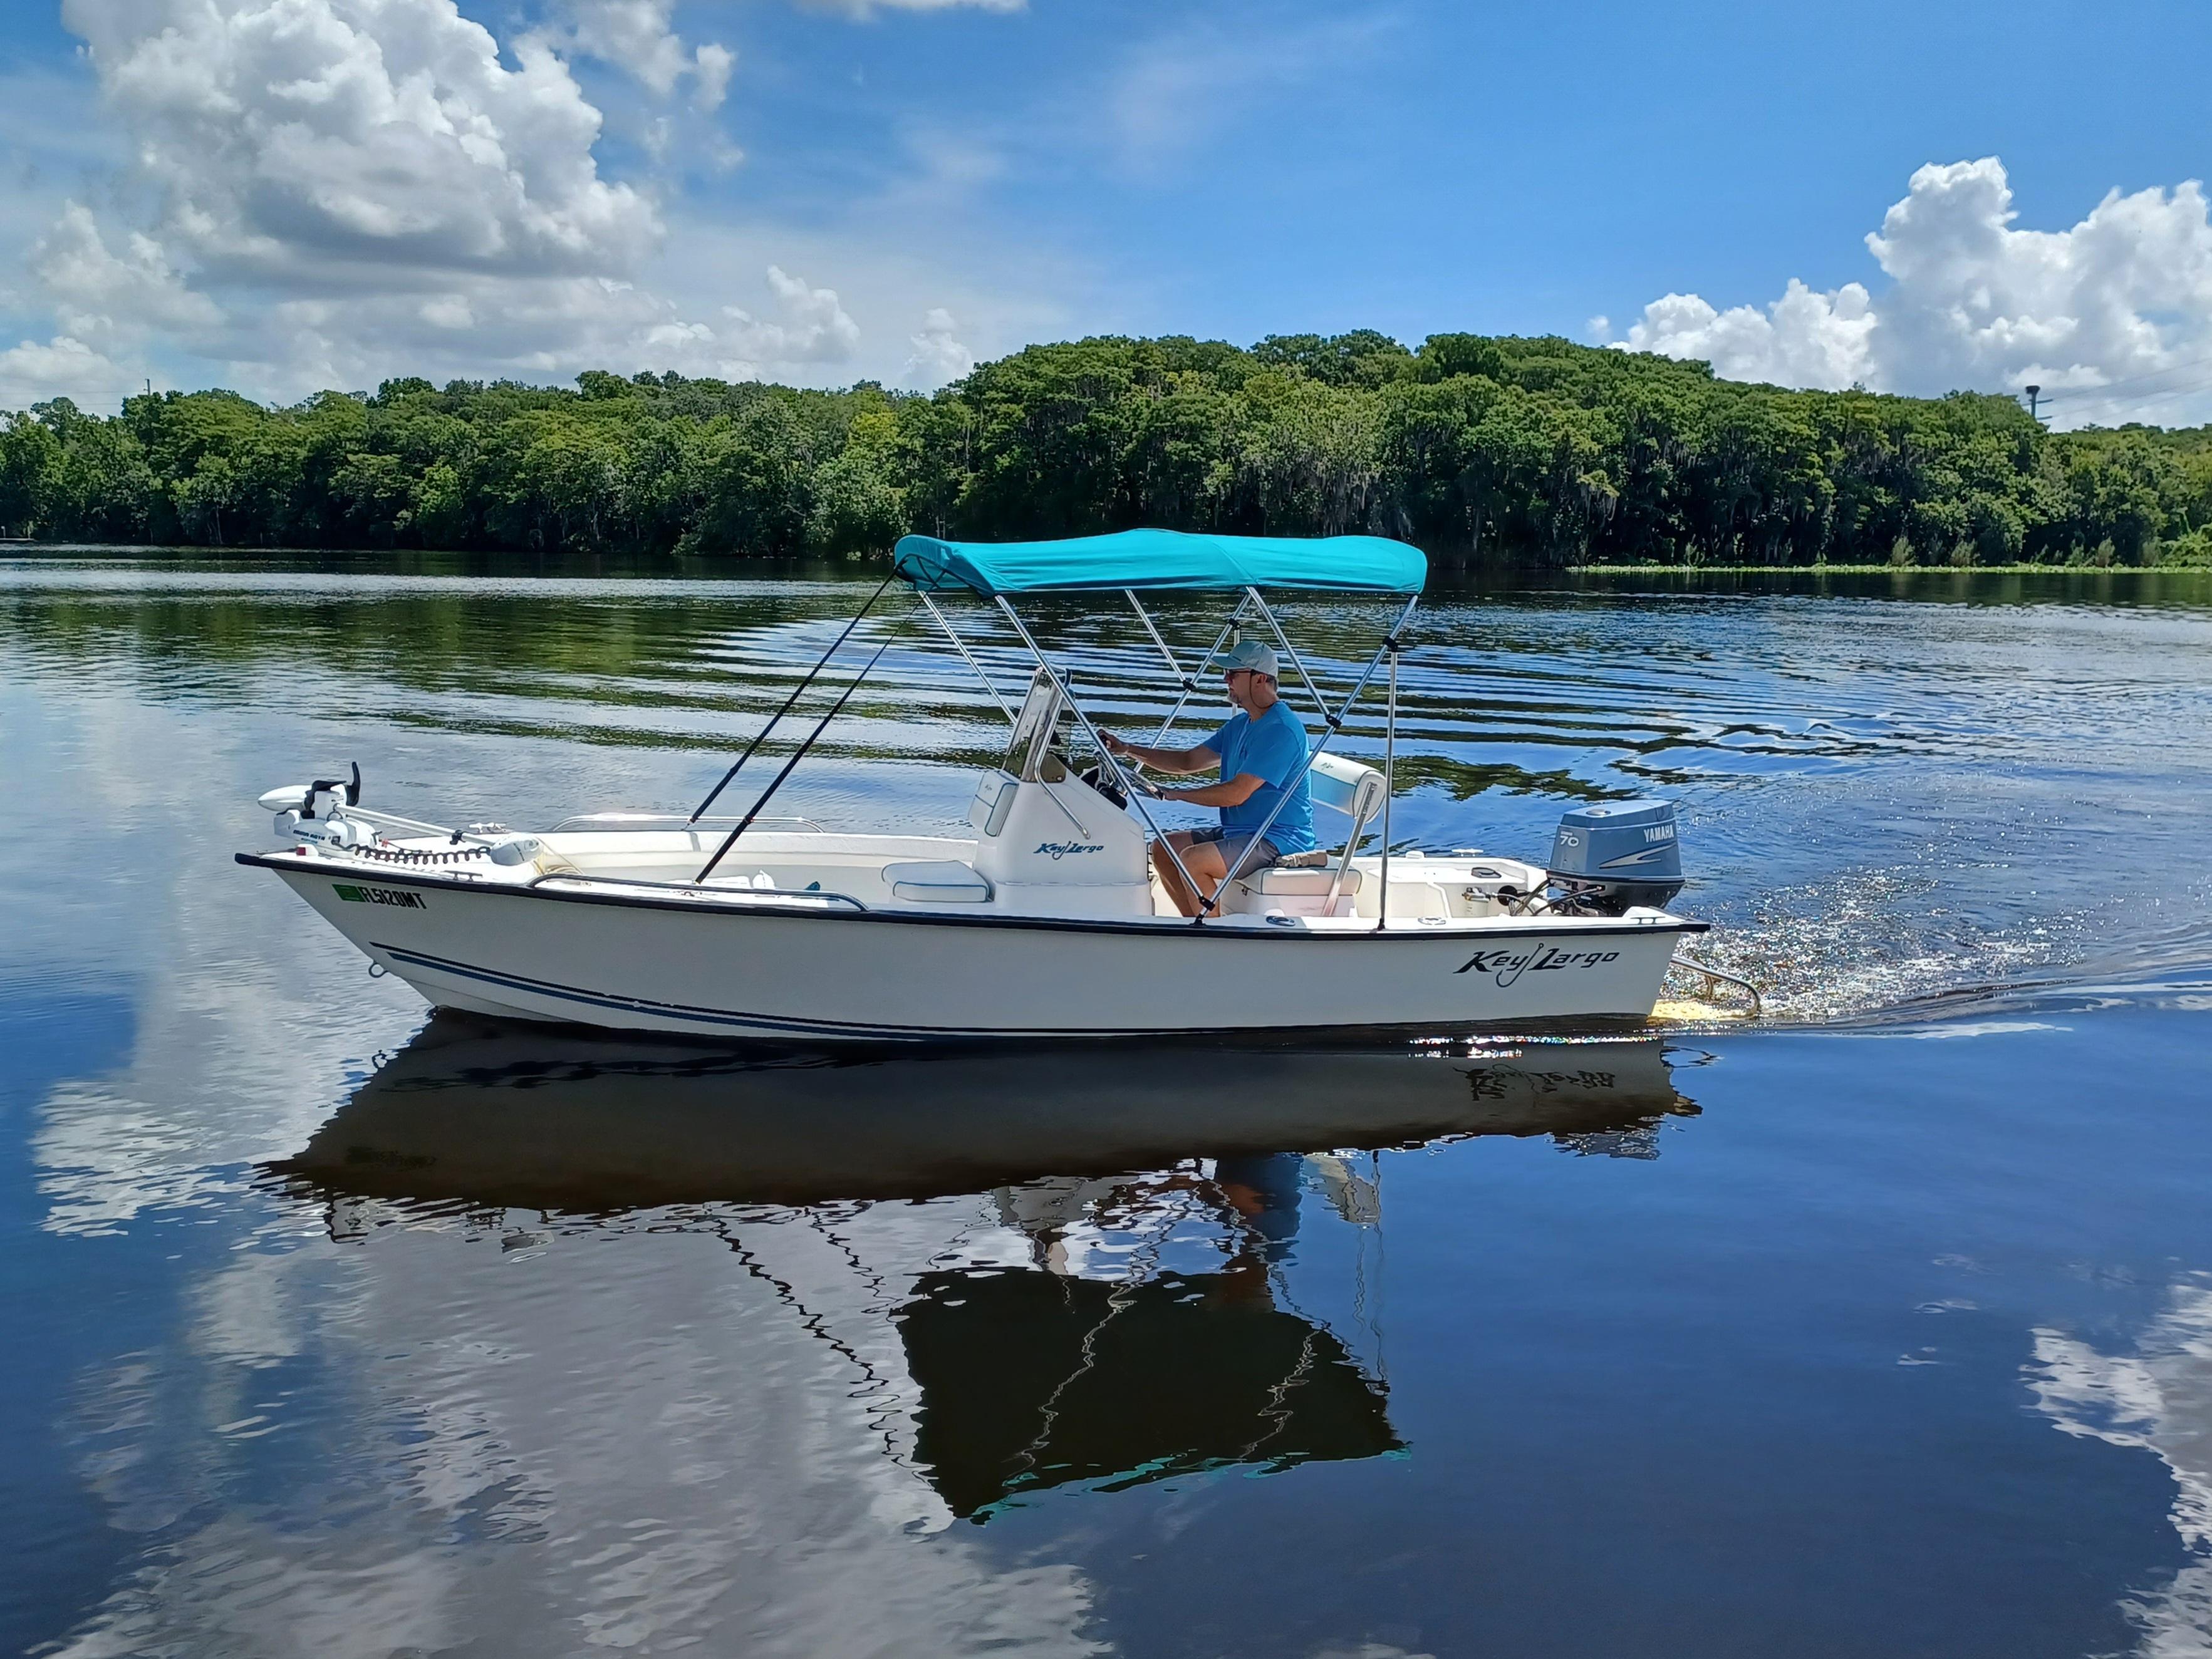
1622,853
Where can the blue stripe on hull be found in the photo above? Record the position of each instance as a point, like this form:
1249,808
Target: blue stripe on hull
720,1019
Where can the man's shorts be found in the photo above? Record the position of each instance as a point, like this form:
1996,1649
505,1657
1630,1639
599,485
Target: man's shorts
1233,844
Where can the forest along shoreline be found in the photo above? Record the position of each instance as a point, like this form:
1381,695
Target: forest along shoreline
1533,452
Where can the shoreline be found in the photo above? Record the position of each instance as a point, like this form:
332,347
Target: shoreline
1886,570
741,563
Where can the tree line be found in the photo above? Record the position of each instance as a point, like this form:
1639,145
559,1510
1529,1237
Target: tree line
1535,452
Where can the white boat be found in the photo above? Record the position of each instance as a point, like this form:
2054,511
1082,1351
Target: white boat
1045,919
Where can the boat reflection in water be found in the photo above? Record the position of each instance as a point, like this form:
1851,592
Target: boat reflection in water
1110,1284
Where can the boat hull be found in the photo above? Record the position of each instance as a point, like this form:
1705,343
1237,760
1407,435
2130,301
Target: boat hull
644,964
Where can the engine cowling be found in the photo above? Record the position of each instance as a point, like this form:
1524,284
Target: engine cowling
1610,856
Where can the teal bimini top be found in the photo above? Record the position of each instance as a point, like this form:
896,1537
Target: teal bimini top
1163,558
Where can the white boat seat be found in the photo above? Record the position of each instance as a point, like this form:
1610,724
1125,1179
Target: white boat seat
938,881
1297,883
1349,787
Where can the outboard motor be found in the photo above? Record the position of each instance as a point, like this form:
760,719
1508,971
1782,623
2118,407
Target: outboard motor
1608,857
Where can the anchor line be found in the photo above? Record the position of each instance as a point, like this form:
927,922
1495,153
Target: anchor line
815,1326
1122,1297
1277,1410
881,1304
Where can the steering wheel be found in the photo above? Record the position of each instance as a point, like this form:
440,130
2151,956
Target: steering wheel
1111,788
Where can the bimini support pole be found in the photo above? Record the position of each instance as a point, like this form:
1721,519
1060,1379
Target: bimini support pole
797,692
961,646
1388,648
1389,771
1190,680
1297,662
1145,616
798,754
1106,755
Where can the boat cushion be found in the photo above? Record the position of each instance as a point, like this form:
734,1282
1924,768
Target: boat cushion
938,881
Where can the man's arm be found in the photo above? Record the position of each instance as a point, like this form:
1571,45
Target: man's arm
1178,761
1235,793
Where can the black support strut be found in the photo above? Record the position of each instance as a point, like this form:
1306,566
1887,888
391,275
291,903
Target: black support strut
798,691
799,754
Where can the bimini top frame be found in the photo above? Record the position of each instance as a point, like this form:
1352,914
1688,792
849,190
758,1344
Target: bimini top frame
1131,560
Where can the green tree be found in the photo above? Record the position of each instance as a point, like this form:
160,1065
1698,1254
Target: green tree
1535,450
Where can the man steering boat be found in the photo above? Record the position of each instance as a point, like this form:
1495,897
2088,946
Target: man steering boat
1260,752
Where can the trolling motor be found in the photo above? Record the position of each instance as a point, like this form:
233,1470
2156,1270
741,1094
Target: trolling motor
1607,858
299,805
324,793
328,811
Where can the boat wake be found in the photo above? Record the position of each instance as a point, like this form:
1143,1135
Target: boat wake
1890,947
1842,952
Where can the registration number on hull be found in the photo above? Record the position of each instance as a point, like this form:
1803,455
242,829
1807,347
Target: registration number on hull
353,893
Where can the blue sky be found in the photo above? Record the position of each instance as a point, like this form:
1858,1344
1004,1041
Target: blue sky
959,178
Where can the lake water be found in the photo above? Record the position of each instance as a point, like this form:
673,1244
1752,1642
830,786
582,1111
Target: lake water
1884,1328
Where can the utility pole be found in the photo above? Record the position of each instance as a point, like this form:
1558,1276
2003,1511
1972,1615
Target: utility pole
2033,393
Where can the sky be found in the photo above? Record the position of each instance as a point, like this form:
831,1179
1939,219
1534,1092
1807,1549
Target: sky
285,195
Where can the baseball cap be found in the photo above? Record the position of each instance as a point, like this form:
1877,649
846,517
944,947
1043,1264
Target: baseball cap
1249,654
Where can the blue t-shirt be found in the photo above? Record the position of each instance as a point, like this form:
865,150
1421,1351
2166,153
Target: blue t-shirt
1272,748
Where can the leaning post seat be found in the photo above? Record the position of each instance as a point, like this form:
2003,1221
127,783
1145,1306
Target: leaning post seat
1350,788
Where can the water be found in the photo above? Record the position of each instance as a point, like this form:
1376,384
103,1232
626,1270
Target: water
1884,1328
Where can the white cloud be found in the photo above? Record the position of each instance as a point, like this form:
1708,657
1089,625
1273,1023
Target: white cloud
638,36
63,367
352,188
895,259
2122,301
1803,339
938,355
814,328
1178,88
93,287
551,329
2157,1400
305,139
712,63
449,311
309,193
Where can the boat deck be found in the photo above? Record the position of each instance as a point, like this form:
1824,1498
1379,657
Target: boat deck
825,871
